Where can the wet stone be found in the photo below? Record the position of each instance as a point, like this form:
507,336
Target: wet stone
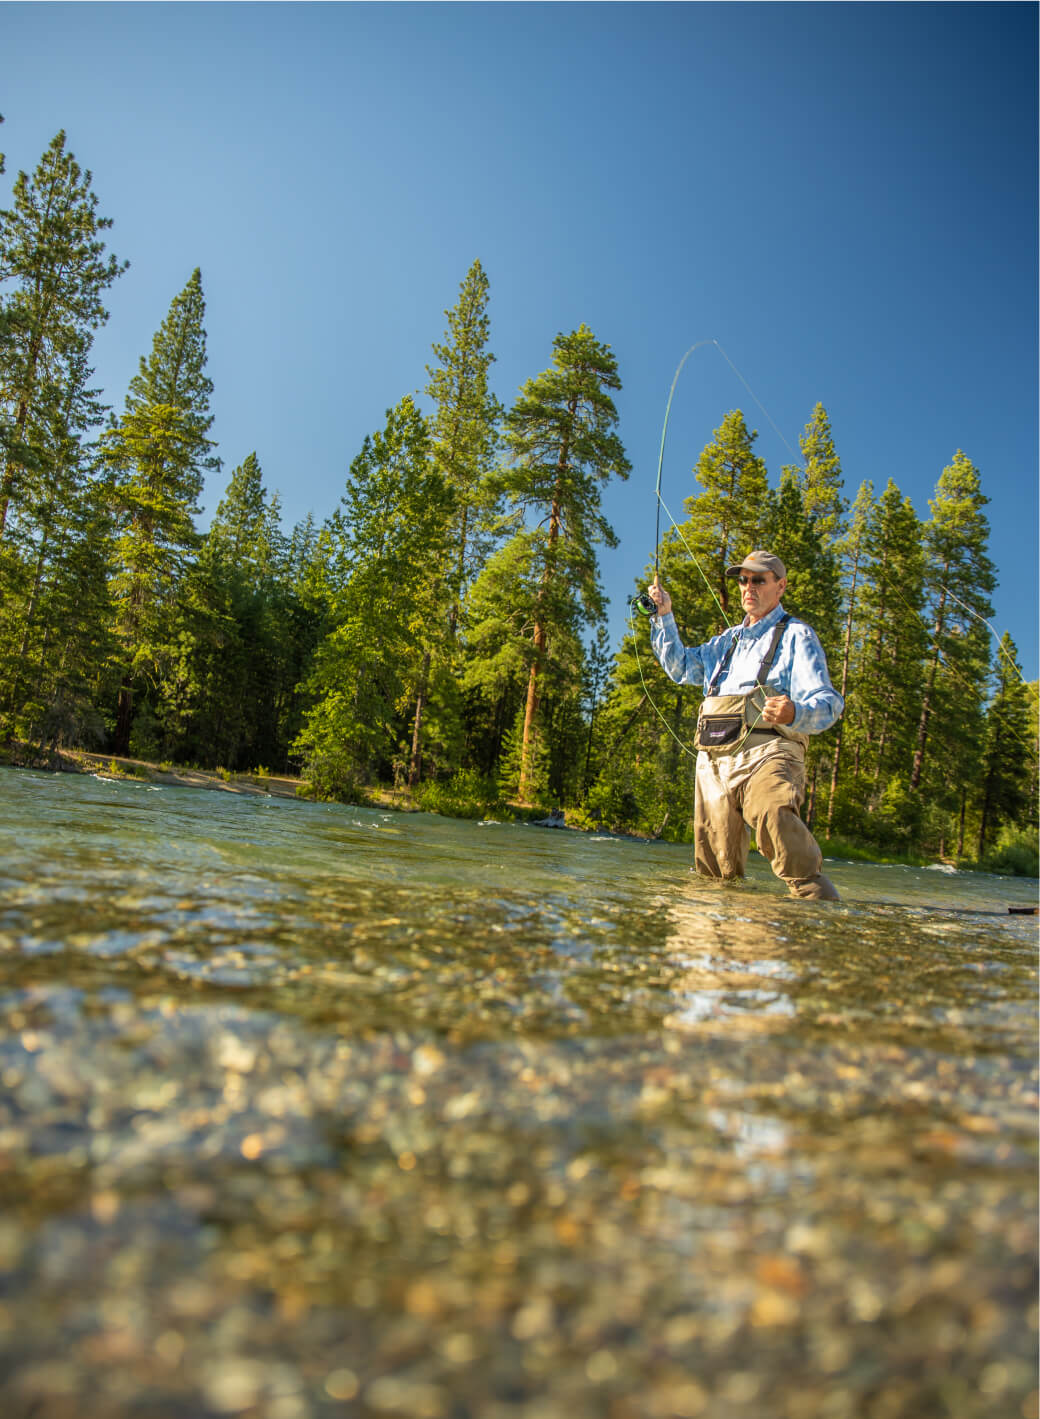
314,1111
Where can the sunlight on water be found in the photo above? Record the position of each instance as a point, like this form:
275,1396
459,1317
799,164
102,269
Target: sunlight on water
310,1109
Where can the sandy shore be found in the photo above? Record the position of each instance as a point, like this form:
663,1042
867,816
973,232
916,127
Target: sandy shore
273,785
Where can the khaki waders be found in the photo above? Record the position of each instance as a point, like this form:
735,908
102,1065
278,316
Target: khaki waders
758,789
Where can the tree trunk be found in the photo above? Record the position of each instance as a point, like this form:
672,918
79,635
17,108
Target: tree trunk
540,634
986,819
415,765
881,747
588,754
124,714
530,710
926,706
21,419
30,616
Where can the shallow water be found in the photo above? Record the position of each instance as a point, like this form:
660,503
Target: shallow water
314,1110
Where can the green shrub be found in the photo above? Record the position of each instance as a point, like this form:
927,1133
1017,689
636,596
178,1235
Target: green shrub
467,794
1015,853
333,778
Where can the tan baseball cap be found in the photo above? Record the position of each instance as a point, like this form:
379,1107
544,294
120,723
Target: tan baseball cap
759,562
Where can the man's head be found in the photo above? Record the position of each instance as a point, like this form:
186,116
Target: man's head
763,579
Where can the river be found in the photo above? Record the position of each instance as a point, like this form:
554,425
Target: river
314,1110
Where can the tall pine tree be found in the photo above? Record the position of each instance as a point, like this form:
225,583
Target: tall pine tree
464,430
1004,778
159,454
52,254
821,478
960,580
851,551
54,273
563,448
380,570
464,443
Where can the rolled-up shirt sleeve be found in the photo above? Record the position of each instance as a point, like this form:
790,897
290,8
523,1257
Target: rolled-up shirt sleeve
683,664
817,703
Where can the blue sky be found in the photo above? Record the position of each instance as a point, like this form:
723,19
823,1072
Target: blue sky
842,195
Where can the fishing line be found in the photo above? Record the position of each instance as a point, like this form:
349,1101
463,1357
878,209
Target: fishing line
755,397
990,627
692,753
951,670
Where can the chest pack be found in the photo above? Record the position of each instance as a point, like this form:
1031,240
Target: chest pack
725,721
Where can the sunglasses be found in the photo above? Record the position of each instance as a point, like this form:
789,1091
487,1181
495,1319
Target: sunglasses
752,580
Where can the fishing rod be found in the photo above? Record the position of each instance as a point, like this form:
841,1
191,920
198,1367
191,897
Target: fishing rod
643,602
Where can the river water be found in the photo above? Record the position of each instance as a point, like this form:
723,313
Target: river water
313,1110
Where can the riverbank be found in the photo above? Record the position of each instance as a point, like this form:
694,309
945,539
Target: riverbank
109,766
259,782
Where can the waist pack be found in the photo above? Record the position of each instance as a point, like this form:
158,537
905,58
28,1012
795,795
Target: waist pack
725,721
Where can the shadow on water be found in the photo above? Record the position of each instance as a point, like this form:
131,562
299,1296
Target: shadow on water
316,1110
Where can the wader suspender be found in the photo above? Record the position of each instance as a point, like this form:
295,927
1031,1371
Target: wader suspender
763,669
767,664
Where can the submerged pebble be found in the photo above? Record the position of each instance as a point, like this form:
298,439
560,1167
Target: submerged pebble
469,1125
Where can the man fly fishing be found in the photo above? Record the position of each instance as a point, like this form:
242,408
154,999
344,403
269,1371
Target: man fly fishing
766,690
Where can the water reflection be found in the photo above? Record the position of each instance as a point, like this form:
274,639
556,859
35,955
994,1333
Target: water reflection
311,1110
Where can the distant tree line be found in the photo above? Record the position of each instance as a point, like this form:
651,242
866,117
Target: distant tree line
444,627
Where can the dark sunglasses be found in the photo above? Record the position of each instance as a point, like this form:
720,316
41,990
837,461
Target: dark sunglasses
752,580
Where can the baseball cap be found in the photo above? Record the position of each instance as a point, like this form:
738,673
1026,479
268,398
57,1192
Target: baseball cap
759,562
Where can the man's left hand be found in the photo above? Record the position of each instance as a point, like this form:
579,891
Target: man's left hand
778,709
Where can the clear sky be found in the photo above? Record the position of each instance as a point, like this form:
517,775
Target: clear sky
842,195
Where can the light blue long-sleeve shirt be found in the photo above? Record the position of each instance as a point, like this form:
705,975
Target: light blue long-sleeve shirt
799,670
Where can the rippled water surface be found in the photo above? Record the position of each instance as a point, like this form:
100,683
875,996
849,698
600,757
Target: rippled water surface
313,1110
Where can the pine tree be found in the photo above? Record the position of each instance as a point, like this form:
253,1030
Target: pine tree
960,579
598,669
42,535
225,694
892,642
563,448
464,430
159,453
1003,786
821,479
53,278
851,551
384,604
53,253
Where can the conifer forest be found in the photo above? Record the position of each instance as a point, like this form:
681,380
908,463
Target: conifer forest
441,629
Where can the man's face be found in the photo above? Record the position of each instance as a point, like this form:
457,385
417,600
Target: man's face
759,593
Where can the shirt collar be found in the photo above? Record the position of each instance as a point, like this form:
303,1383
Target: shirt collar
766,624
